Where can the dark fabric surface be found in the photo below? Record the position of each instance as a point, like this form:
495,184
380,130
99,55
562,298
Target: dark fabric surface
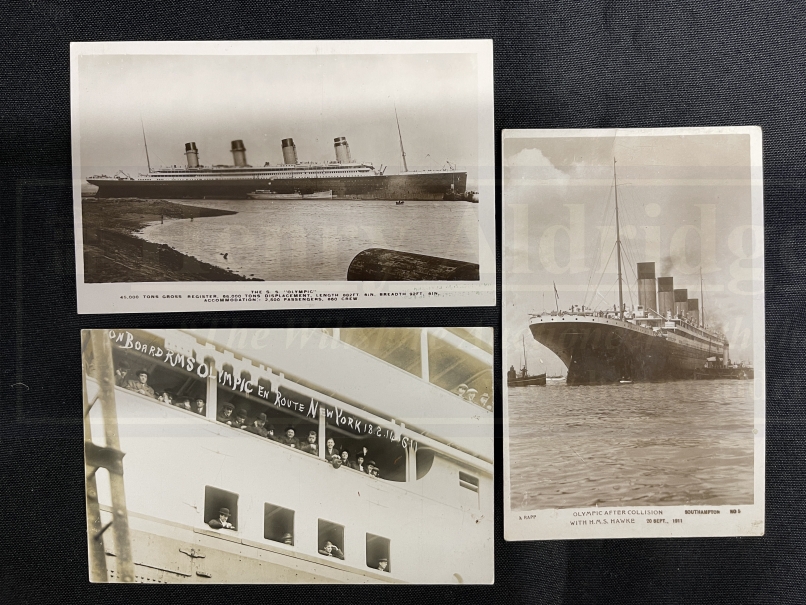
557,64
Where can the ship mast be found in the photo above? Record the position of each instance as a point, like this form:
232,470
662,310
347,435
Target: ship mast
402,151
525,364
702,302
618,246
145,143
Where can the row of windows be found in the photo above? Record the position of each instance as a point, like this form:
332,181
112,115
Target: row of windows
221,513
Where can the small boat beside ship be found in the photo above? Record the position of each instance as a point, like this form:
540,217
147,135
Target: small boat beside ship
268,194
522,378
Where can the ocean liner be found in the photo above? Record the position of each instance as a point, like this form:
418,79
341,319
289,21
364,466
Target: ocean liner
663,338
427,518
344,177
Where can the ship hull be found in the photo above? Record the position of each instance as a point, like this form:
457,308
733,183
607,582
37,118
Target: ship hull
416,186
607,351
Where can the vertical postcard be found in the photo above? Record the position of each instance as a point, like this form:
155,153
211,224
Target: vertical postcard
633,343
213,176
357,456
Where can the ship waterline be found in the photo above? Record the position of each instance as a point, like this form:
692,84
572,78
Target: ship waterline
422,186
599,350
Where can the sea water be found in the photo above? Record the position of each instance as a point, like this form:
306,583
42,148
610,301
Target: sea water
290,240
641,444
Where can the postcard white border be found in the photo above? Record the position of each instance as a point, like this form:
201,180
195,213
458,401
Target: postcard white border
139,297
651,521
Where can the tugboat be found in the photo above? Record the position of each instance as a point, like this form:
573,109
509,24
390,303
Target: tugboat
522,378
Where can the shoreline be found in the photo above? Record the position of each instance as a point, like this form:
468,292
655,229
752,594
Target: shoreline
114,253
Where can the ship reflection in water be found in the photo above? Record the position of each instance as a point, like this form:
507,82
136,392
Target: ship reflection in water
316,240
643,444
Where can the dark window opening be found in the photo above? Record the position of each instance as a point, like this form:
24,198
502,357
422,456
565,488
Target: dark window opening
331,539
469,482
246,409
386,456
220,508
278,524
378,553
170,384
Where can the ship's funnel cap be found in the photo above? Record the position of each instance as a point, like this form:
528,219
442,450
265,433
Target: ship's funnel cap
190,147
681,295
288,142
665,284
646,270
237,145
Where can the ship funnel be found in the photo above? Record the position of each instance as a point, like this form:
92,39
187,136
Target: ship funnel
694,311
666,296
646,286
289,152
342,151
681,303
192,155
238,153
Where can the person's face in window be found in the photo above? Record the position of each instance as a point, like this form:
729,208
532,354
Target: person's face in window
290,433
311,437
461,391
223,518
360,460
330,443
382,565
143,377
344,455
199,404
484,399
227,412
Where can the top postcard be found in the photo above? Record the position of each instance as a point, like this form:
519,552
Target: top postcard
633,333
212,176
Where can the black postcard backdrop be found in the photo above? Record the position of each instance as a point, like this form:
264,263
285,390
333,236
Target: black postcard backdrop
562,64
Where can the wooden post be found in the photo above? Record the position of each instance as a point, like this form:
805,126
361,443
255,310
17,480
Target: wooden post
105,374
97,562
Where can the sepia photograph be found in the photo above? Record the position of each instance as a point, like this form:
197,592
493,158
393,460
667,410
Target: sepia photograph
633,299
341,455
248,175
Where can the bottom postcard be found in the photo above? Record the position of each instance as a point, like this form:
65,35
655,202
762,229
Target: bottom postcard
289,456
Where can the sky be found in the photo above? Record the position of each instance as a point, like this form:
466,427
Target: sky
213,100
684,203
